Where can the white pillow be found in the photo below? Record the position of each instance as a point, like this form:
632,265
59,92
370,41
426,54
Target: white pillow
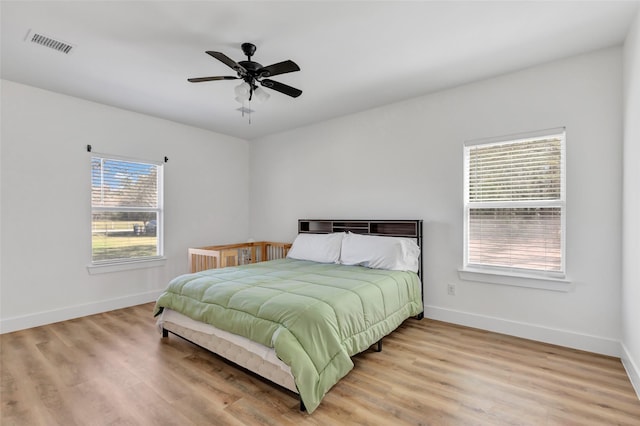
323,248
372,251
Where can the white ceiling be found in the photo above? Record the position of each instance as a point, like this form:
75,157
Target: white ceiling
353,56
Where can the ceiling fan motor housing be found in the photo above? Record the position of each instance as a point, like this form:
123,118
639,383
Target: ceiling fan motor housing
251,66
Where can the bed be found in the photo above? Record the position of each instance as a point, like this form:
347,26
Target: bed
297,321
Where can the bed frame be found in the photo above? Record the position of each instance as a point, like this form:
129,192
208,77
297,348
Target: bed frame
230,255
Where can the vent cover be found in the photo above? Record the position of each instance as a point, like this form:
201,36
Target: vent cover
49,42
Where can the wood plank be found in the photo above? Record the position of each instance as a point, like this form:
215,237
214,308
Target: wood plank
113,368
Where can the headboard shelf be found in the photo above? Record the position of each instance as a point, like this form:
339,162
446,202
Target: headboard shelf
391,228
315,226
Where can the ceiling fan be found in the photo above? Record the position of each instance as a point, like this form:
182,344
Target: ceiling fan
253,73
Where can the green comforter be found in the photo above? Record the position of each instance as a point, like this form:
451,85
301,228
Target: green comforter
315,315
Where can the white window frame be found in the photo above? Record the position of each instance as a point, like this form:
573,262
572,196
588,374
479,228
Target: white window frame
103,266
552,280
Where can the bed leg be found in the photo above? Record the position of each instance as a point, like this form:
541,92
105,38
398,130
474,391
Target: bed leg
302,407
165,332
419,316
379,346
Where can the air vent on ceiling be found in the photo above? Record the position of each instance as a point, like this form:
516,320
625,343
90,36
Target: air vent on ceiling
49,42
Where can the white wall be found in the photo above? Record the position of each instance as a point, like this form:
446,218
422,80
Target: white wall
405,161
46,220
631,208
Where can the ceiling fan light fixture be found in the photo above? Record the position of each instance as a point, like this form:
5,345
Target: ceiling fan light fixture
261,95
242,92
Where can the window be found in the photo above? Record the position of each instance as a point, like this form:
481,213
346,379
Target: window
126,210
515,204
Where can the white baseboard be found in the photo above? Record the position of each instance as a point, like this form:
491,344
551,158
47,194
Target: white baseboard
567,338
8,325
632,369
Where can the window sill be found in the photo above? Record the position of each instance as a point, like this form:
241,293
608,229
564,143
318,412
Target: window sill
517,280
104,268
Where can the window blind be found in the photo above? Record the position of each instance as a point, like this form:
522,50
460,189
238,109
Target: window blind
514,204
118,183
126,209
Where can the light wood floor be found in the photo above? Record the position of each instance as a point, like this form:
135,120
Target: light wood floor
113,368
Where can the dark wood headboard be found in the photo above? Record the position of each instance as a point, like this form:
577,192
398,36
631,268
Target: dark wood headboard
388,228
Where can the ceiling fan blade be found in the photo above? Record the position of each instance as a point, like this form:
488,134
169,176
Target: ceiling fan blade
227,61
200,79
282,88
279,68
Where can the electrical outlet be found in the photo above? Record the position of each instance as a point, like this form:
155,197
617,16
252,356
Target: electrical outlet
451,289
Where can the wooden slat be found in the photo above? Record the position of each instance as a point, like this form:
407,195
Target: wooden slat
221,256
114,368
